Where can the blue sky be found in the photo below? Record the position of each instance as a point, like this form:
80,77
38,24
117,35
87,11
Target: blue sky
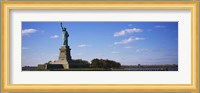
129,43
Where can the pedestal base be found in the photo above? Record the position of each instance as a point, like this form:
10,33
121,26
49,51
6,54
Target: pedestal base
59,64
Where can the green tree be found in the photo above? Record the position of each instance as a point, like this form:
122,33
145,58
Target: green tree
102,63
79,63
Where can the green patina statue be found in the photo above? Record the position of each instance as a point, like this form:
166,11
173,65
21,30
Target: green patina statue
65,35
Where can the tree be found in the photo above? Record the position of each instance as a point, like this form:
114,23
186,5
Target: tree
102,63
79,63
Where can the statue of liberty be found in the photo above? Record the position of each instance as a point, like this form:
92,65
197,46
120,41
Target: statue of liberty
65,35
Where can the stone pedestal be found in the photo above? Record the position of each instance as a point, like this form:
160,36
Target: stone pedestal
62,62
65,53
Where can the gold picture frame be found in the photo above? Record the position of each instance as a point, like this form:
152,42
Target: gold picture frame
5,44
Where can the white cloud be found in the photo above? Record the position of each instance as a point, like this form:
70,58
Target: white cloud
130,39
127,31
25,48
143,50
159,26
128,47
28,31
82,45
54,36
115,52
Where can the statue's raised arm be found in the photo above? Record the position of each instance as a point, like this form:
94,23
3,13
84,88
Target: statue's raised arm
61,26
